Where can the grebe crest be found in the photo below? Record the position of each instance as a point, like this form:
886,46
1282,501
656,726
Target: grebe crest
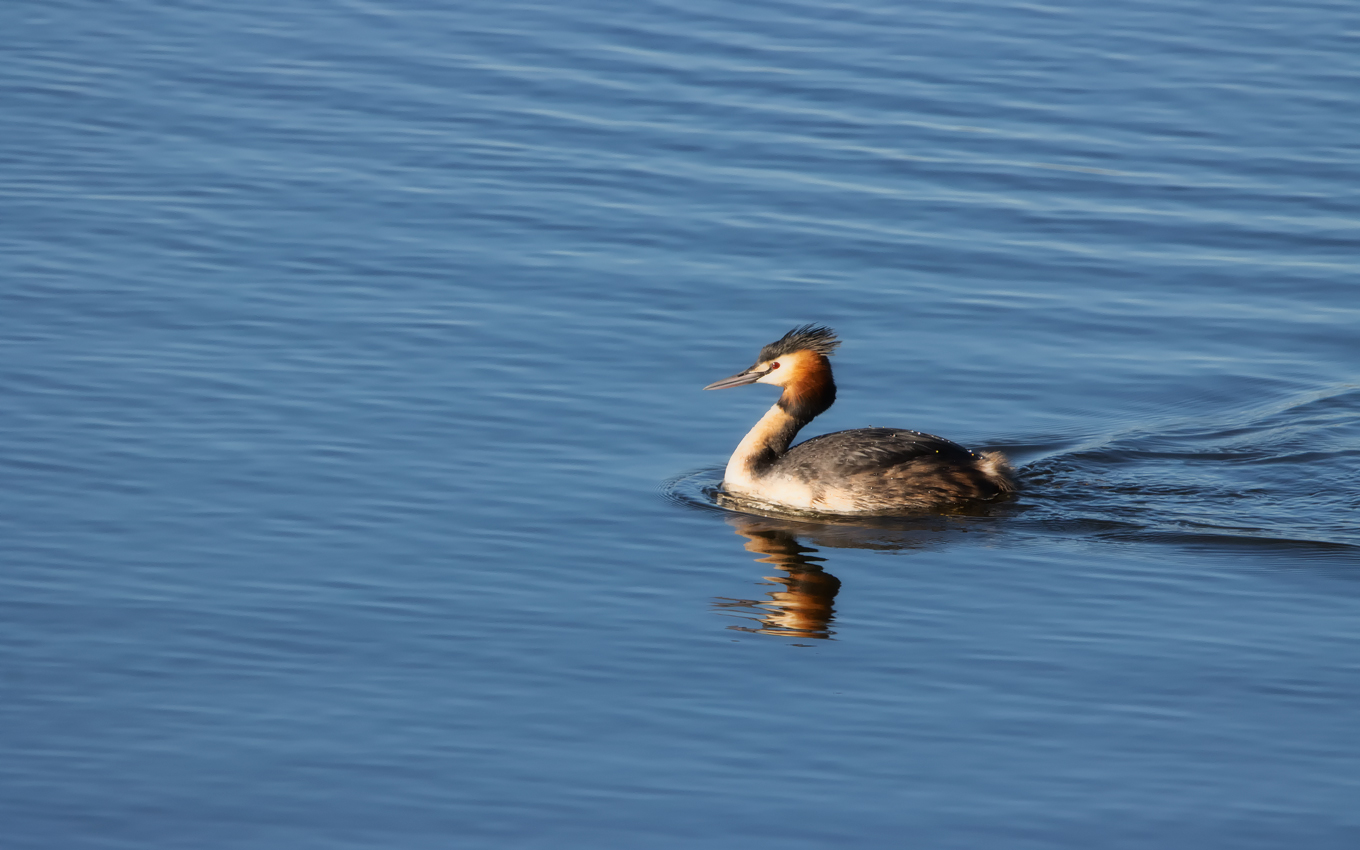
864,471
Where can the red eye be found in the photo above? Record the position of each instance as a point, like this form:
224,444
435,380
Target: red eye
774,366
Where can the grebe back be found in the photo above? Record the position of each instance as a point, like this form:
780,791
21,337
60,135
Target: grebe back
867,470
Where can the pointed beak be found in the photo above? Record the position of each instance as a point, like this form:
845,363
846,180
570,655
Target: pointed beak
750,376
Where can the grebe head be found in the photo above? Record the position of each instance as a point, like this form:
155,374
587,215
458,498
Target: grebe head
798,352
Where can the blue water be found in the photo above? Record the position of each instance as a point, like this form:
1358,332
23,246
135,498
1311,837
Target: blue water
357,480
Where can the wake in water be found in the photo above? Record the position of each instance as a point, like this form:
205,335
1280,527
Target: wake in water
1281,474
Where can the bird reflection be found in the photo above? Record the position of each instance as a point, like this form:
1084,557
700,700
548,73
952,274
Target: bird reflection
803,601
804,606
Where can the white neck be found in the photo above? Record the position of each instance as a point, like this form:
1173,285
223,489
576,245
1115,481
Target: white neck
765,442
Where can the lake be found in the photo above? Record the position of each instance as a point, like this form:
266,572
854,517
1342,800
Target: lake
359,482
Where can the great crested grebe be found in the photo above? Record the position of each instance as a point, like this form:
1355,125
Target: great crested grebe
867,470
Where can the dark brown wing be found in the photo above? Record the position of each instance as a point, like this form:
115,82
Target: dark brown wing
892,469
846,453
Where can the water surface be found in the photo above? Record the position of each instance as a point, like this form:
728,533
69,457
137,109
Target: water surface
354,452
